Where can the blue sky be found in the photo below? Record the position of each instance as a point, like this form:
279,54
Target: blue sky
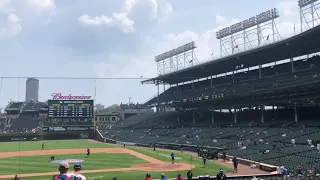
111,38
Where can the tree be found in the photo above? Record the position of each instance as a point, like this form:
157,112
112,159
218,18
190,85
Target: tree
115,108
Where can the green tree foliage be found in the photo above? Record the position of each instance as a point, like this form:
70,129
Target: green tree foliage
115,108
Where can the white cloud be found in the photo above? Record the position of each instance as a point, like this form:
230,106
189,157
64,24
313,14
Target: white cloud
42,6
164,11
129,5
287,7
119,19
207,45
5,6
10,27
124,23
221,19
98,20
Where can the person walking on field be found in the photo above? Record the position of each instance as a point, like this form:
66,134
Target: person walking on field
235,164
77,167
88,152
172,157
204,159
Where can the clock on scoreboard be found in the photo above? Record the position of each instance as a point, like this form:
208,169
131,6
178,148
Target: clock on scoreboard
70,108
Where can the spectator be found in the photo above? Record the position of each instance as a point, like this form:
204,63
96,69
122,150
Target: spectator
224,155
299,171
235,164
179,177
221,175
63,169
163,177
198,151
284,172
148,177
77,167
254,178
189,175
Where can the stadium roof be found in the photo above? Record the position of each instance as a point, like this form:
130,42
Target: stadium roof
298,45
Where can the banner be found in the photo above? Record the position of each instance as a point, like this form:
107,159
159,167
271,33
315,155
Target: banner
67,128
126,143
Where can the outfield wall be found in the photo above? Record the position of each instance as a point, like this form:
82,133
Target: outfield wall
46,136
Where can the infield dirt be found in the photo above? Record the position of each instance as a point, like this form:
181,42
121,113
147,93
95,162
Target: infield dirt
152,165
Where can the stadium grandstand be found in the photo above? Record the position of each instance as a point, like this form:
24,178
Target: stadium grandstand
261,105
24,116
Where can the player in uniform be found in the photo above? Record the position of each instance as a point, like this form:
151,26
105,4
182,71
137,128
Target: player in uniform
88,152
42,146
172,157
204,158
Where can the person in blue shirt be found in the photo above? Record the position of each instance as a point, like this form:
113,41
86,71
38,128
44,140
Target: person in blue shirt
204,158
163,177
299,171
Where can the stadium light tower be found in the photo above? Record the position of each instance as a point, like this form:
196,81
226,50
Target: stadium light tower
176,59
309,14
255,31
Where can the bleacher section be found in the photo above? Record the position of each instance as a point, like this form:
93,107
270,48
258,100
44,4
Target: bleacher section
24,116
269,142
24,123
306,71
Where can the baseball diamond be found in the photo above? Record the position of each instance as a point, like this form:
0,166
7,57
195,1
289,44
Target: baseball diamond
111,159
235,101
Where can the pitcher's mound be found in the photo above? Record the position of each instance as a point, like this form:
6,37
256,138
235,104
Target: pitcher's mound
163,166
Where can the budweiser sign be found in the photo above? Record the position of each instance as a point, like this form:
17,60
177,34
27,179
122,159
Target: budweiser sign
59,96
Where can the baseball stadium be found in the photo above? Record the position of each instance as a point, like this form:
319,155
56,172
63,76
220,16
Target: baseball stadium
252,113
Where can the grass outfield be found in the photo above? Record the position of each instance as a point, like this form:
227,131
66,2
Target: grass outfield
95,161
33,164
63,144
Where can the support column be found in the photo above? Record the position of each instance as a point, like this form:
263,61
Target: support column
291,60
295,113
260,69
178,117
235,115
194,118
212,116
262,110
158,108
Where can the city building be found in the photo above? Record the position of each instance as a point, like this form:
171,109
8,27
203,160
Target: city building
32,89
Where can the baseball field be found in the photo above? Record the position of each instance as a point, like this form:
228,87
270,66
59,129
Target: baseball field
105,161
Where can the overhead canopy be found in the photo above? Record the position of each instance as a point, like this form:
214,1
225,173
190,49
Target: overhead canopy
299,45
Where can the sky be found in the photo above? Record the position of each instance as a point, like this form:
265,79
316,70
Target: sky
111,39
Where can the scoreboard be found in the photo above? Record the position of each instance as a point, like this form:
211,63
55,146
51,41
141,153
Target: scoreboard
70,108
